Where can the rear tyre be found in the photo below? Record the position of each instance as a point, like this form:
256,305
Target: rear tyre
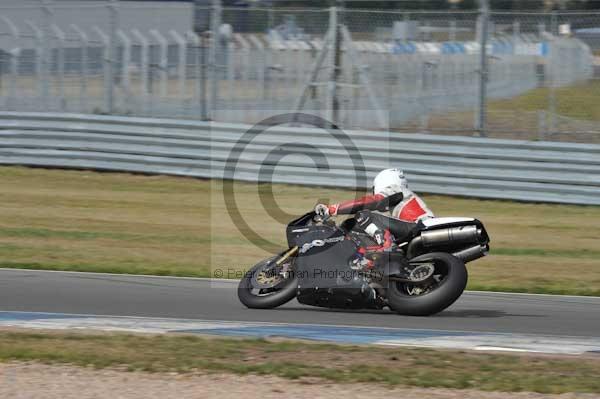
266,298
451,280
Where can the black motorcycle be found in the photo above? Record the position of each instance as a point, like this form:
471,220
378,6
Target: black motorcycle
423,274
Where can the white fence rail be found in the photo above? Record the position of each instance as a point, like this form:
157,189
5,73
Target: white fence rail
475,167
244,63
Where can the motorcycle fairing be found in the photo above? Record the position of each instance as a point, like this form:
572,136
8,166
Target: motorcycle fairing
325,277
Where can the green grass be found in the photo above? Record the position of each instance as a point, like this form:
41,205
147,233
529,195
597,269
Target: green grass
578,101
122,223
293,360
537,252
518,117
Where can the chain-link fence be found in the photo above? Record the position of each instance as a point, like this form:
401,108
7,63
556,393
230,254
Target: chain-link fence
502,74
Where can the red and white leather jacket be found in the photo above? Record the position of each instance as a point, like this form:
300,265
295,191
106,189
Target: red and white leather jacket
411,209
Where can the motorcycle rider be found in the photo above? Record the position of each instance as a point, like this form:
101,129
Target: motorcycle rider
392,210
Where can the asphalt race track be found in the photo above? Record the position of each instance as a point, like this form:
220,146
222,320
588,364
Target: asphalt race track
124,295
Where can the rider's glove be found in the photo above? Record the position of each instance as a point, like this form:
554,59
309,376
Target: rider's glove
322,210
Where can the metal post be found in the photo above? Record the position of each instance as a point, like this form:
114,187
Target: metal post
261,65
14,73
301,50
553,59
162,62
229,89
288,58
270,18
144,61
516,31
105,68
541,29
541,125
39,58
60,63
334,44
113,10
337,72
315,69
364,80
46,52
245,73
182,61
14,63
213,67
483,68
83,71
199,38
125,80
197,42
203,80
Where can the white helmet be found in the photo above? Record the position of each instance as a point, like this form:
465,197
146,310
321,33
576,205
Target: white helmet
390,181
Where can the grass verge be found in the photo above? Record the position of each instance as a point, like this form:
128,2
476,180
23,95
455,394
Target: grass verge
122,223
293,360
578,101
519,117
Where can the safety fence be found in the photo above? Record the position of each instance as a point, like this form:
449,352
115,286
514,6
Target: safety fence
475,167
421,71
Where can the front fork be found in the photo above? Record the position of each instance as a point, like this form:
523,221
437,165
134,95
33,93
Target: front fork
286,255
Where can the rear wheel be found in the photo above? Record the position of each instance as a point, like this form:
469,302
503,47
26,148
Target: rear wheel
447,281
268,285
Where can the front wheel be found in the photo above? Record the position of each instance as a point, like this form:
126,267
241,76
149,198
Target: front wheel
268,285
447,283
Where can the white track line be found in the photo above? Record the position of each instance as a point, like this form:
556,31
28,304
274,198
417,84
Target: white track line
291,324
397,337
225,280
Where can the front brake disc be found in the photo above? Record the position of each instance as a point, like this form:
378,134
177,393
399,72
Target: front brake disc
267,277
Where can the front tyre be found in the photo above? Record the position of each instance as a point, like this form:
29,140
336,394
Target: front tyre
448,284
266,287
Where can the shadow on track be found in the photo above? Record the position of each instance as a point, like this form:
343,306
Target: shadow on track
466,313
480,313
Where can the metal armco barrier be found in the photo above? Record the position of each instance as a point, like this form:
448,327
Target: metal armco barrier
475,167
